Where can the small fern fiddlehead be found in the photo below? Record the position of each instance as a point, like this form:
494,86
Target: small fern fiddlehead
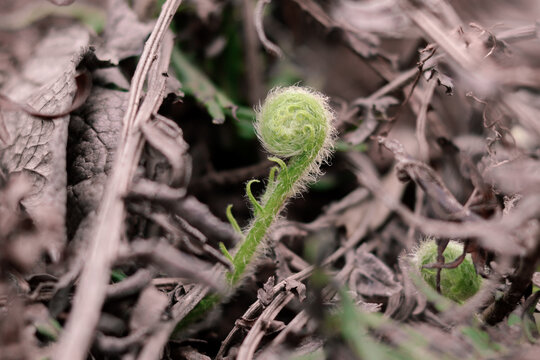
457,284
294,124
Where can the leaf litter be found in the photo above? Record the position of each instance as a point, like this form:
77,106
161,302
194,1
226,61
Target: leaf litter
113,195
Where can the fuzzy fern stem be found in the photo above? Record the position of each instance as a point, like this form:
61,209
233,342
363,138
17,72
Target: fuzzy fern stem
284,188
295,125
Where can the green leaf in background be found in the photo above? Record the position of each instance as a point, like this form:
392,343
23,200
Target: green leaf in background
117,276
529,320
355,325
49,329
343,146
325,183
354,330
513,319
197,84
481,342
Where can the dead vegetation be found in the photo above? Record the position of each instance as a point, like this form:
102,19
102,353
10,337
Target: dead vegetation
126,130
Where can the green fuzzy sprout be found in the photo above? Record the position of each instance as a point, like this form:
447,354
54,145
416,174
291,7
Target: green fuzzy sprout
457,284
294,124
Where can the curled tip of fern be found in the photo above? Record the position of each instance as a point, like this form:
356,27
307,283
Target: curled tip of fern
296,121
457,284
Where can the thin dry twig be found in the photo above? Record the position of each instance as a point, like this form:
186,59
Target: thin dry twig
258,16
253,63
521,279
155,343
91,292
421,120
370,123
401,80
281,297
255,335
423,147
496,235
483,72
428,179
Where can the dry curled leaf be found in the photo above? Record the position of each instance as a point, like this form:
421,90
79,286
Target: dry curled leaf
371,278
124,33
297,288
38,146
149,309
266,294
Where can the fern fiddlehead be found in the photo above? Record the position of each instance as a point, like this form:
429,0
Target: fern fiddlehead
457,284
294,124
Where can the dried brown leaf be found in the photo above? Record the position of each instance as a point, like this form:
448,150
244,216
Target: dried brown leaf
266,294
174,262
93,138
38,146
297,288
372,278
124,34
148,310
164,135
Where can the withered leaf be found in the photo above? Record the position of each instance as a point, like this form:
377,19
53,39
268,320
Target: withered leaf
372,278
149,309
446,81
38,146
93,137
174,262
297,288
164,135
385,18
124,33
504,176
273,326
266,294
